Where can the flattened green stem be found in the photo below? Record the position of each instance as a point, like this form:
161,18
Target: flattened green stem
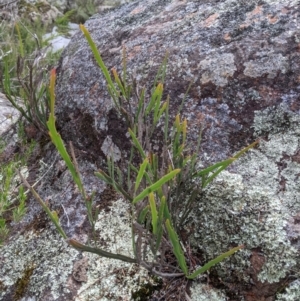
56,138
176,247
157,185
78,246
153,212
99,59
137,143
214,262
140,174
52,215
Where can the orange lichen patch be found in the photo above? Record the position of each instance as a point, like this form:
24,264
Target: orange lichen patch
284,10
269,94
227,37
210,20
94,89
244,25
256,11
152,49
253,16
272,19
133,52
156,28
137,10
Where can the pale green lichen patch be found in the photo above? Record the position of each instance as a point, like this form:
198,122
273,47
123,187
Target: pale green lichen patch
266,63
217,69
204,292
292,292
253,205
58,271
110,279
51,257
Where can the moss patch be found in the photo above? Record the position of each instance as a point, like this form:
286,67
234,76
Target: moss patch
23,282
147,289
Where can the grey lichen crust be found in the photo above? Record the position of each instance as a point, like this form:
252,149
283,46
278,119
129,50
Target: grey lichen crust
254,202
204,292
292,292
48,255
56,266
110,279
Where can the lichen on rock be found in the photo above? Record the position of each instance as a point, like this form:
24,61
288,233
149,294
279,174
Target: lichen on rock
253,203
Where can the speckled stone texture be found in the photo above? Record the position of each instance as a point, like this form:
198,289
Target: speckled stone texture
244,61
241,57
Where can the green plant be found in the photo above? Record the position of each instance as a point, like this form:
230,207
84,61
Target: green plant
12,197
63,22
84,10
157,187
23,73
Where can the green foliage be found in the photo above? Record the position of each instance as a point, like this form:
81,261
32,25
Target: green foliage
3,230
19,211
65,19
12,197
85,9
62,23
158,187
24,70
21,38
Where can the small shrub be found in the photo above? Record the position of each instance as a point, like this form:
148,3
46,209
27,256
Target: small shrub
84,10
12,195
162,189
24,70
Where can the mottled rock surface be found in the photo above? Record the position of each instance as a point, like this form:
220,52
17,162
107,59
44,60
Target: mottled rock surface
8,114
244,61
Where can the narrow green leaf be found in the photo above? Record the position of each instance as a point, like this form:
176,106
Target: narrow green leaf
161,110
143,214
140,174
75,244
214,262
153,212
140,105
176,247
213,167
98,58
124,74
160,223
156,185
118,81
155,97
177,123
21,46
215,173
55,216
137,143
246,149
184,130
56,138
166,129
161,73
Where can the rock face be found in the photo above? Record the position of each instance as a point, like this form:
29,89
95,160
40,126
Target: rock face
239,58
244,61
8,114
